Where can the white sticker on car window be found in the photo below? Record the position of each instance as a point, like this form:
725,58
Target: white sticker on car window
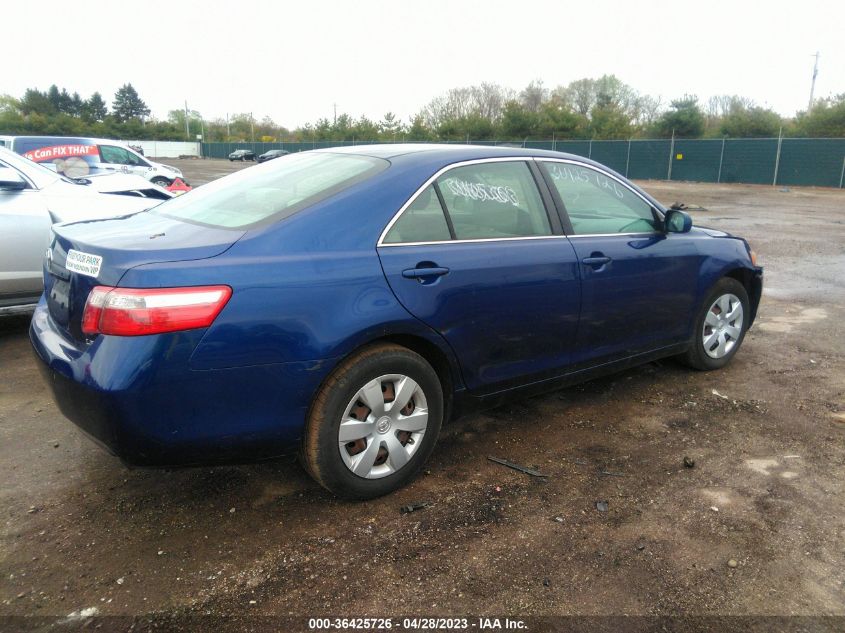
576,174
483,192
83,263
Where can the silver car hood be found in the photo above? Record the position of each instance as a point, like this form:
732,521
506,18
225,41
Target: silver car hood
121,183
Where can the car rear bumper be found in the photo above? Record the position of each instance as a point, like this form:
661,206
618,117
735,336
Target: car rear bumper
149,411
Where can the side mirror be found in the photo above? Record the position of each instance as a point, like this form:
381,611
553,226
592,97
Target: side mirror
677,221
11,180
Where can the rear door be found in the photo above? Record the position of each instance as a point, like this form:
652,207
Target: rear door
477,256
638,282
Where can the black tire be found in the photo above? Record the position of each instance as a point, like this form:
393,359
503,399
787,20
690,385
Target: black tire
161,182
320,452
696,356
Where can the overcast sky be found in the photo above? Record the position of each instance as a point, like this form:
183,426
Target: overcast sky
294,60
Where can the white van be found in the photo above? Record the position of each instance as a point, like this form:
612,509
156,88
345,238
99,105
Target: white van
77,157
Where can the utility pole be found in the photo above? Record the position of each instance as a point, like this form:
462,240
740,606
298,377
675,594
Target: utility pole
252,127
671,155
187,129
777,157
813,85
335,113
228,133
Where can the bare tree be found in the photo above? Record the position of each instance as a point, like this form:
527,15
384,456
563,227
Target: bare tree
533,96
580,95
486,100
721,105
648,110
489,100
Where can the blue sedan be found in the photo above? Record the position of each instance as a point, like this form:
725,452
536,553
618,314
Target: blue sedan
349,301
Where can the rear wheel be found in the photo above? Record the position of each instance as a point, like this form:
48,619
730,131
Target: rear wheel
373,423
719,327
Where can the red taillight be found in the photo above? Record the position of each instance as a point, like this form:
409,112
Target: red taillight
138,311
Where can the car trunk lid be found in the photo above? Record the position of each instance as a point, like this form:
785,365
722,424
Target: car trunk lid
99,252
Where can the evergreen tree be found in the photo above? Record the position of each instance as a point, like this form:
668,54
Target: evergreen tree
685,119
36,102
128,105
55,98
94,109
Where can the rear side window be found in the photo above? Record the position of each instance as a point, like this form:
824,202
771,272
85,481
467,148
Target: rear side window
422,221
271,191
597,204
494,200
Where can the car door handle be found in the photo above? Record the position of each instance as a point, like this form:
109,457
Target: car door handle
420,273
596,261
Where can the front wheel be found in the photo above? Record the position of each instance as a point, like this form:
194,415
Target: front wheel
161,182
373,423
719,327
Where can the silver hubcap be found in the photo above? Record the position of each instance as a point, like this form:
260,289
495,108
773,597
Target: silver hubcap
382,426
722,326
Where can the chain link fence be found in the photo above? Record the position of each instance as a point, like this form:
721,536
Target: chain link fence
765,161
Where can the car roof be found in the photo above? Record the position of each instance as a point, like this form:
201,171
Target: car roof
441,154
448,152
77,139
430,157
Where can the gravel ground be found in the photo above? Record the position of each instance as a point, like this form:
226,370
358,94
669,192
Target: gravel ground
757,526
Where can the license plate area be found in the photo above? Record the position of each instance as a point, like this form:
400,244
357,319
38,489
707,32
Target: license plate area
58,300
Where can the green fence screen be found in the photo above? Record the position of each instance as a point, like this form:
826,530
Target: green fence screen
765,161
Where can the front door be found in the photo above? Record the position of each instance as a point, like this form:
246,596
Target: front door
114,158
476,257
638,282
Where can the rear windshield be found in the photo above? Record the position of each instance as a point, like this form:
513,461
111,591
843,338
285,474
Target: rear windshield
271,191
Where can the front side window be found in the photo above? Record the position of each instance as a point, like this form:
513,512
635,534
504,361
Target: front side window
597,204
119,156
422,221
271,191
494,200
9,167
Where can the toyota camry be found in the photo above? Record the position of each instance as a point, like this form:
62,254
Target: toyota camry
347,302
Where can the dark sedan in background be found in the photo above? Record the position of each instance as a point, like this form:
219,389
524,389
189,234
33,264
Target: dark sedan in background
242,154
271,154
349,301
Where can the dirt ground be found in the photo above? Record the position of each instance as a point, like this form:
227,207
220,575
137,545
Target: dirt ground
757,526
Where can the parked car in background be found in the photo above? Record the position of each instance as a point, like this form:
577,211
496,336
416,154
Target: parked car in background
32,198
271,154
348,301
242,154
79,157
